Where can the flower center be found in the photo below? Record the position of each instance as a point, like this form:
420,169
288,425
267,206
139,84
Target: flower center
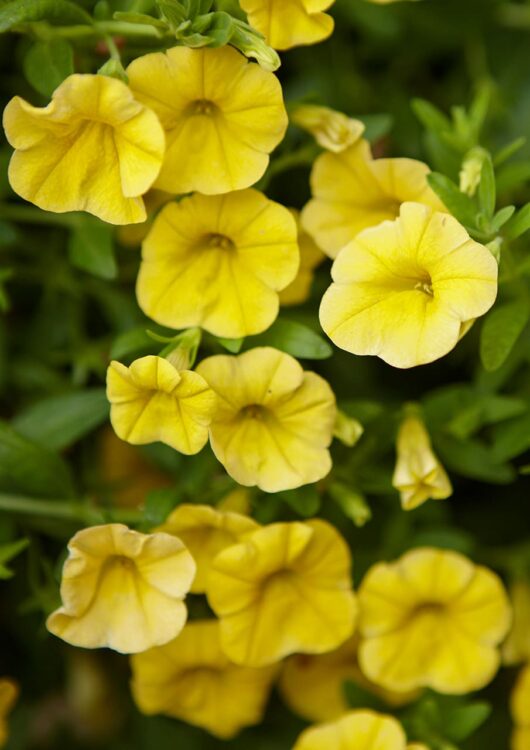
202,107
219,241
425,285
429,609
254,411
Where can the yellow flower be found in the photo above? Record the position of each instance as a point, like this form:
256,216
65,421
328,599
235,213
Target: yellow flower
284,588
218,262
332,130
8,696
94,148
237,501
517,646
132,235
404,290
206,531
222,116
356,730
432,619
352,191
122,589
419,475
313,685
520,707
192,680
290,23
151,400
311,256
274,422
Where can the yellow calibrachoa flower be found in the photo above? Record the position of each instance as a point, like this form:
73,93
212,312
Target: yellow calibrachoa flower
191,679
8,696
274,422
353,191
404,290
356,730
122,590
419,475
311,256
290,23
206,531
284,588
218,262
520,707
516,649
132,235
332,130
151,400
94,148
432,619
222,116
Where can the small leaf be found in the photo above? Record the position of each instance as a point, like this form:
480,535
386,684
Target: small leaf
501,217
139,18
512,438
487,191
357,697
500,331
130,343
352,503
430,117
460,723
91,248
231,345
7,553
304,501
508,151
473,459
293,338
27,11
459,204
519,224
158,505
47,64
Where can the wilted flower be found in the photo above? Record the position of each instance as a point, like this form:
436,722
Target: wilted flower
222,116
405,290
122,589
332,130
94,148
419,475
352,191
291,23
206,531
274,422
8,696
353,731
520,704
284,588
191,679
151,400
516,649
432,619
218,262
311,256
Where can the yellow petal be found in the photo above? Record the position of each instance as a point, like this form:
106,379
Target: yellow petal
516,649
291,24
311,256
357,730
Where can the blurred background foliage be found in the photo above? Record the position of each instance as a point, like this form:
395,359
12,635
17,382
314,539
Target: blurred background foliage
66,291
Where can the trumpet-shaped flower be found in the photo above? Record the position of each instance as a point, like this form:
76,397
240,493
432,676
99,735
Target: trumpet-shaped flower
94,148
222,116
520,707
406,290
356,730
132,235
352,191
122,589
332,130
151,400
283,589
274,422
191,679
311,256
516,649
290,23
218,262
418,476
206,531
432,619
8,696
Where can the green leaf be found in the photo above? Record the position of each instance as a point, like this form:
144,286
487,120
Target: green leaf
158,505
47,64
352,503
27,11
509,150
513,175
430,117
139,18
487,191
132,342
293,338
519,224
91,248
512,438
501,217
7,553
460,723
357,697
26,467
231,345
473,459
304,501
459,204
59,421
500,331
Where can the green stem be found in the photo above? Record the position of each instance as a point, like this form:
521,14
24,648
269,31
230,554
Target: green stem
68,510
31,215
99,29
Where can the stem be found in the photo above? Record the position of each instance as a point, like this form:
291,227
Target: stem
30,215
69,510
97,29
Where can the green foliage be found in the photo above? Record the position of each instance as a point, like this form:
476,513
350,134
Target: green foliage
91,247
24,11
293,338
500,332
47,64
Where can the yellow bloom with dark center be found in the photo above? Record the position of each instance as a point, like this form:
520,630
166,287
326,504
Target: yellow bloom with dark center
432,619
520,708
8,697
419,475
332,130
311,256
191,679
122,590
94,148
356,730
152,401
206,531
218,262
516,649
284,588
274,422
407,289
222,116
290,23
353,191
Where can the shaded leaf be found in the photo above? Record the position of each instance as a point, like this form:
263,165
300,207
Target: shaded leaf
500,331
292,338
